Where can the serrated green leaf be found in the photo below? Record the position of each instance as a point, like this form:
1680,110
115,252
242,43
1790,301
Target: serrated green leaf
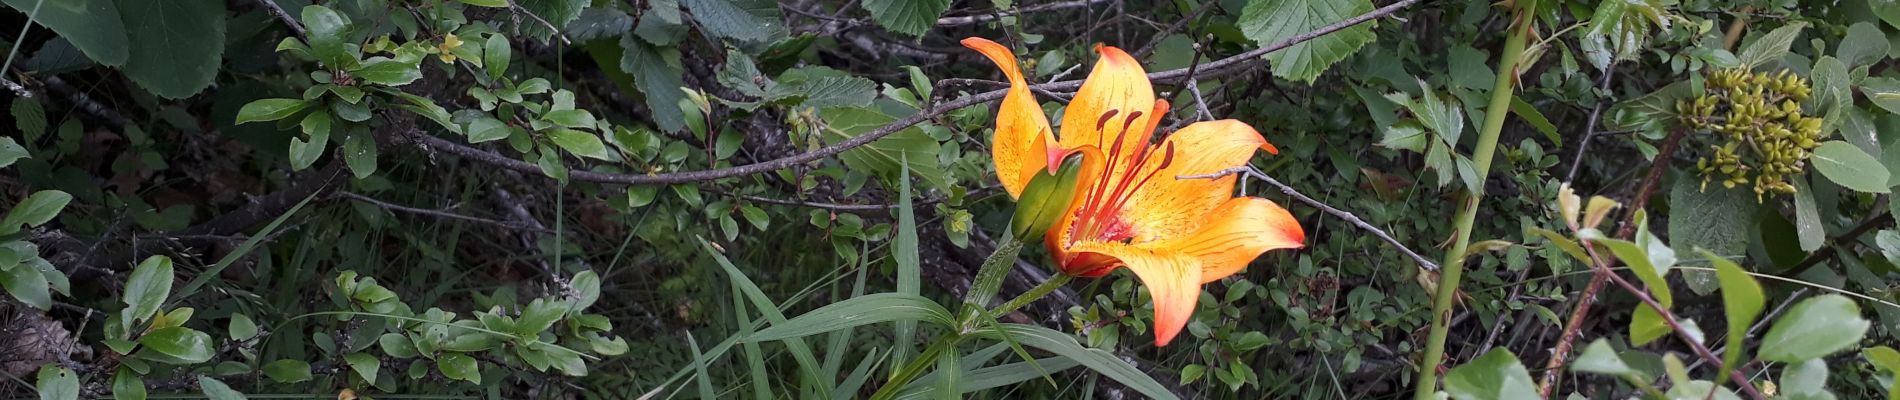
168,52
94,26
882,157
657,72
1712,218
30,116
722,18
1770,47
909,17
1268,22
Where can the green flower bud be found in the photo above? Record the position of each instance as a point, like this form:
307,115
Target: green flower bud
1045,199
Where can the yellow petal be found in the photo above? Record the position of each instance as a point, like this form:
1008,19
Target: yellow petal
1173,280
1115,106
1231,236
1166,206
1020,147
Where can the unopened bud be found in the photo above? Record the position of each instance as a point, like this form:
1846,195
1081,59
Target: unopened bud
1045,199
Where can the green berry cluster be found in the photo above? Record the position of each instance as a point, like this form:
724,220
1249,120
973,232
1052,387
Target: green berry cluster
1761,135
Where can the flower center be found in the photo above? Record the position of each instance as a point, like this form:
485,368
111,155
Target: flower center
1100,216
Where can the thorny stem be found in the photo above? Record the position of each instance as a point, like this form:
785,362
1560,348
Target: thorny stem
1452,270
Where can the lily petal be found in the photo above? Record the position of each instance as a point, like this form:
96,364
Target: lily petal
1113,110
1232,235
1173,280
1168,206
1020,147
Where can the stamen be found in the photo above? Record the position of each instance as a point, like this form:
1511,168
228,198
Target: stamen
1103,121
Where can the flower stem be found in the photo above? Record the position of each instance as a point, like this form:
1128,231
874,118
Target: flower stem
1035,293
1453,267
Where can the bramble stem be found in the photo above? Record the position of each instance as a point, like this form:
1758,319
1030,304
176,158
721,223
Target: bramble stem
1452,270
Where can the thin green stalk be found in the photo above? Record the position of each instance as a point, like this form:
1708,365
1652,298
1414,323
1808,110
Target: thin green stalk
1453,267
1035,293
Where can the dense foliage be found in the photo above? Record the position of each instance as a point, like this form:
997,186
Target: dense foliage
732,198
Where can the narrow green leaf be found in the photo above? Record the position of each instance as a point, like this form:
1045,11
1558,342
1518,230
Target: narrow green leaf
858,311
909,269
1103,362
807,362
1742,301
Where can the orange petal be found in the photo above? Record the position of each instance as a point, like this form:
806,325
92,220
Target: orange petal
1168,206
1020,147
1116,103
1231,236
1173,280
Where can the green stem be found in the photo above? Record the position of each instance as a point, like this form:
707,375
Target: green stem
1453,267
1035,293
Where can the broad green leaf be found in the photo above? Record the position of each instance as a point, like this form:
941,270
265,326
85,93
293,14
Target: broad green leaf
1646,325
147,288
1652,112
1269,22
57,383
28,286
169,55
1885,358
38,209
858,311
593,23
722,18
585,289
359,152
1805,380
570,118
1884,91
1495,375
127,385
657,71
1771,46
487,129
364,364
1102,362
1864,44
1599,358
459,367
241,327
1850,167
580,143
288,370
177,345
216,390
397,345
94,26
909,17
11,151
556,12
326,29
388,72
825,91
1742,301
270,109
317,127
1815,327
1712,218
496,53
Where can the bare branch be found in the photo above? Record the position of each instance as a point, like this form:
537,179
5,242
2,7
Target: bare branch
436,213
981,18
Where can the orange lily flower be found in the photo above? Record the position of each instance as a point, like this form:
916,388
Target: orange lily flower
1131,207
